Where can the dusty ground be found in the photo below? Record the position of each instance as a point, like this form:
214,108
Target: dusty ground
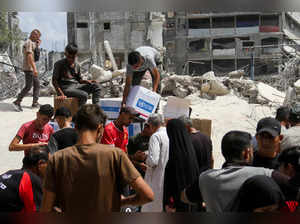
227,113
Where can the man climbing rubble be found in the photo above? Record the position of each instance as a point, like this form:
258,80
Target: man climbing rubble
67,79
142,70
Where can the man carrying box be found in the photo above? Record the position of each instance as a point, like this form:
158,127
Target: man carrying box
142,63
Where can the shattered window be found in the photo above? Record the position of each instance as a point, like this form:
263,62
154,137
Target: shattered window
199,23
82,25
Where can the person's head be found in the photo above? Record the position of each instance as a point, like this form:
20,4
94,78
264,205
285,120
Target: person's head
135,59
259,194
71,51
44,115
90,118
155,121
146,130
236,147
35,35
268,137
36,160
127,116
63,117
187,122
289,161
294,117
282,115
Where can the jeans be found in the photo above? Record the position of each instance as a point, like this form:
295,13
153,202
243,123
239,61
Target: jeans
82,91
30,80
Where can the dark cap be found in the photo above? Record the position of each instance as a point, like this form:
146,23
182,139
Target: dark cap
129,110
295,113
269,125
63,111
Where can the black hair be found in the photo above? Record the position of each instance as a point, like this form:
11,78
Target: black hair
47,110
32,158
71,48
292,156
89,116
234,143
133,57
63,111
282,114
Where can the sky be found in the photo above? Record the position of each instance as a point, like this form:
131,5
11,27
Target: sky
53,26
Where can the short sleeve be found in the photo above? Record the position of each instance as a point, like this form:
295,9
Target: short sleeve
150,62
22,131
49,180
107,138
28,47
56,71
129,71
128,172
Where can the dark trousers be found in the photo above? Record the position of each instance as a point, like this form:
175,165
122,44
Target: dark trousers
30,80
82,91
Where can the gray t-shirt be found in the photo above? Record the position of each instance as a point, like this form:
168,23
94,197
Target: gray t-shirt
219,187
150,55
291,138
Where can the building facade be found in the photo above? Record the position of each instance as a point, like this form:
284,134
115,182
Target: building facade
222,42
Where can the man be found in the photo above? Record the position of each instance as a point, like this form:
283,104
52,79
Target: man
30,70
139,144
34,133
268,141
88,177
66,136
291,137
202,145
289,161
141,63
21,190
116,133
156,161
219,187
282,115
67,79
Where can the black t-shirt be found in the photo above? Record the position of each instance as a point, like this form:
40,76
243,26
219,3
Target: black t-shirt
65,75
20,191
203,148
259,161
62,139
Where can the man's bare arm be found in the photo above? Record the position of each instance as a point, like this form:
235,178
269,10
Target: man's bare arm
156,79
48,201
126,89
144,193
16,146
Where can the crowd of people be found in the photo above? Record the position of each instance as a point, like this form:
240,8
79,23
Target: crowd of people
83,163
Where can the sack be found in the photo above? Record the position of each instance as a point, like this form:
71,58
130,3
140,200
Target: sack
36,54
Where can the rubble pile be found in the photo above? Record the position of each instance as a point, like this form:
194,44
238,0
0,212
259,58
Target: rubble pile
209,86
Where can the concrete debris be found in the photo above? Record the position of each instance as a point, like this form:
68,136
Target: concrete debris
236,74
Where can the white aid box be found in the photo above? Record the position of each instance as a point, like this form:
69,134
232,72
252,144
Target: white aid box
111,107
176,107
143,100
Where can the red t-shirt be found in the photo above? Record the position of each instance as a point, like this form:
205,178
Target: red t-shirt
30,134
113,136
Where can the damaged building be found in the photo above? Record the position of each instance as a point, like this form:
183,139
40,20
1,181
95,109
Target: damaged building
222,42
125,31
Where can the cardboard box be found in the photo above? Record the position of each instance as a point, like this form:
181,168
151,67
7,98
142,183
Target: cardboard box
70,103
111,107
143,100
203,125
133,129
176,107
